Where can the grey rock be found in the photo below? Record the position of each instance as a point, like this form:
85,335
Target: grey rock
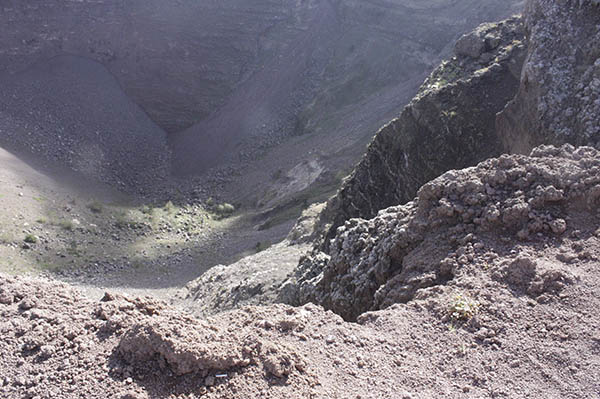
558,98
470,44
388,259
254,280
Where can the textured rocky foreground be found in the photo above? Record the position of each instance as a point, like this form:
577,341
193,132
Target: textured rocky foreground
495,300
485,285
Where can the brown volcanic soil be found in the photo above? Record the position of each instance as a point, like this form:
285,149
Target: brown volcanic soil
519,319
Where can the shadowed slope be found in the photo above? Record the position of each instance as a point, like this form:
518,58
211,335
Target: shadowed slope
72,110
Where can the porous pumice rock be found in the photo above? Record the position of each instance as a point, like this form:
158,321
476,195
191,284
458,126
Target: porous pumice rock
375,263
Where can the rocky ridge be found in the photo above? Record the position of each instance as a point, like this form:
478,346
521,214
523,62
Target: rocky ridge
450,124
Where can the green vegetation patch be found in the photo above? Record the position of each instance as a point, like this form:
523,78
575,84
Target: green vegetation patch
30,239
96,207
463,308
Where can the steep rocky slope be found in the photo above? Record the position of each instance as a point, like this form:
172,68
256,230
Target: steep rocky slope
250,73
450,124
558,100
513,315
179,60
347,54
71,110
253,280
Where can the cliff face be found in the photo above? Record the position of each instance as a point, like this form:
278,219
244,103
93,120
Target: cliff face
558,99
379,256
448,125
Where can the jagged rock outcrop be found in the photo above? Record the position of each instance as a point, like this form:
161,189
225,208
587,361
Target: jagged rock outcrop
558,100
450,124
375,263
72,111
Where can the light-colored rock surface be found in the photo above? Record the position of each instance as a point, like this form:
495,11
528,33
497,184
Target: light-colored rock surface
253,280
558,100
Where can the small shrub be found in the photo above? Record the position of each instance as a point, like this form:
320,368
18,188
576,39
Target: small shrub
31,239
147,209
73,249
96,207
66,225
123,221
463,308
226,209
223,210
170,207
7,238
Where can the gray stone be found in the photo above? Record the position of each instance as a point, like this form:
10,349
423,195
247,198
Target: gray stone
470,45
